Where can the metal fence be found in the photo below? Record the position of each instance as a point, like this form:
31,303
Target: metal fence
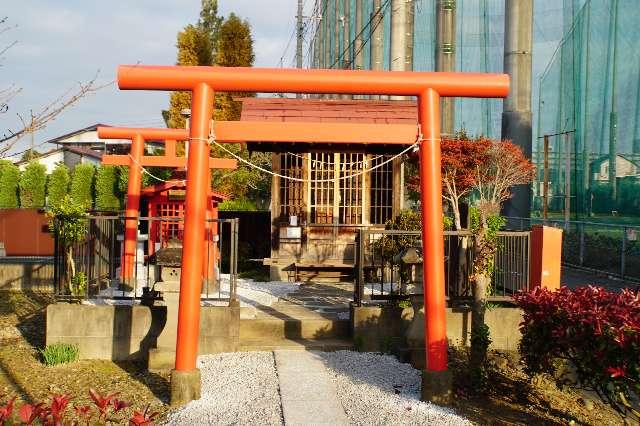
90,267
380,276
598,247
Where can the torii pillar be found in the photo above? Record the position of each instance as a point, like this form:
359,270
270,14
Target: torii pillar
427,87
136,160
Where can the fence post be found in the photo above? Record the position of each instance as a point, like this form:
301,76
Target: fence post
360,265
56,259
623,257
581,226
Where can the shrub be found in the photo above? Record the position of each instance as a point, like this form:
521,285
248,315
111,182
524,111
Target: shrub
593,333
32,185
82,184
58,185
106,409
106,187
9,177
239,204
59,353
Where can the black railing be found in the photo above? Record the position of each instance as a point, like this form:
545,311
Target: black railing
380,276
613,249
90,267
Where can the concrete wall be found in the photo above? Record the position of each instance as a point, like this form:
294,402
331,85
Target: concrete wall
24,274
128,332
376,326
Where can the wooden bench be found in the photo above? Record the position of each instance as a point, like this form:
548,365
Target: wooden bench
320,270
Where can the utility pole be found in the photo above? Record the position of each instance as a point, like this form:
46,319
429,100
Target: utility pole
377,39
545,182
446,55
516,115
346,39
398,39
613,116
299,29
358,59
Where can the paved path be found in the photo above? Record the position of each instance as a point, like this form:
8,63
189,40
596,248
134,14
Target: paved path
307,393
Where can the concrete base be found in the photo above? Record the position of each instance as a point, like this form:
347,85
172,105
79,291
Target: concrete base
437,387
185,387
161,359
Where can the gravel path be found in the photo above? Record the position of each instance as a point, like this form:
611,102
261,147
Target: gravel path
237,388
377,389
244,388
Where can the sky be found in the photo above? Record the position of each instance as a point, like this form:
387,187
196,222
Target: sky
63,42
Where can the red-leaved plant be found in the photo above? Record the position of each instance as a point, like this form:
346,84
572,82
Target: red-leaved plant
106,410
592,332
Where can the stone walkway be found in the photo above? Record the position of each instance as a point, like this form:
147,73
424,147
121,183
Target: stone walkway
307,393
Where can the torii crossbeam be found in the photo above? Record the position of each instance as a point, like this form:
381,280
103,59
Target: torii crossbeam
427,87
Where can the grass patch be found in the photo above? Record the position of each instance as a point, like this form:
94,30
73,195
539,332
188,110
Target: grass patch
59,353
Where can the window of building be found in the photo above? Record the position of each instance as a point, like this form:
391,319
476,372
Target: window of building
292,199
381,191
322,192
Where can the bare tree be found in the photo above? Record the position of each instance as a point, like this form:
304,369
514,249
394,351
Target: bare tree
36,120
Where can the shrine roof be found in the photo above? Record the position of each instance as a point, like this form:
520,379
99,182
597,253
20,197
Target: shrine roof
327,111
177,184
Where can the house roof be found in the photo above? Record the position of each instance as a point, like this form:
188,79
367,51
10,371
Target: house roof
177,184
86,152
598,161
91,128
330,111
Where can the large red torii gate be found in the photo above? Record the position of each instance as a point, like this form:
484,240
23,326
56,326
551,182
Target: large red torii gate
203,81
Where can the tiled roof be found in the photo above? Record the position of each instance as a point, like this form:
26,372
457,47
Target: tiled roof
329,110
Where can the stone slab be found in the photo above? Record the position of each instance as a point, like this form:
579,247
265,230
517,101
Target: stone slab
307,393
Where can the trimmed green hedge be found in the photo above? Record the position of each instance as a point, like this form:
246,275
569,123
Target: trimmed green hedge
58,185
9,178
106,189
82,184
33,182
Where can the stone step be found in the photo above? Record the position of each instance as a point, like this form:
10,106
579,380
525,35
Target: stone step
270,327
324,345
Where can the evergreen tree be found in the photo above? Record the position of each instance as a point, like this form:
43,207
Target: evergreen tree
234,49
106,189
210,21
9,177
58,185
32,185
194,48
82,185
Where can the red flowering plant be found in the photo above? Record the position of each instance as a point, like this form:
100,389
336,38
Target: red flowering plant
592,332
107,409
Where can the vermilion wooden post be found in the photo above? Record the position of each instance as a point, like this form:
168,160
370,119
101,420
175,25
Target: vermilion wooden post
428,87
432,231
131,212
194,227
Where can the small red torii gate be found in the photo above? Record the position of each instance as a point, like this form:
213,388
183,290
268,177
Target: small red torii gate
135,160
428,87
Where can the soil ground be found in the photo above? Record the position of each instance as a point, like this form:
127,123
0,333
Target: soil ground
511,397
22,374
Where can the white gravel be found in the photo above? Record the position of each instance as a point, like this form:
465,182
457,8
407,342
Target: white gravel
237,388
250,293
377,389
